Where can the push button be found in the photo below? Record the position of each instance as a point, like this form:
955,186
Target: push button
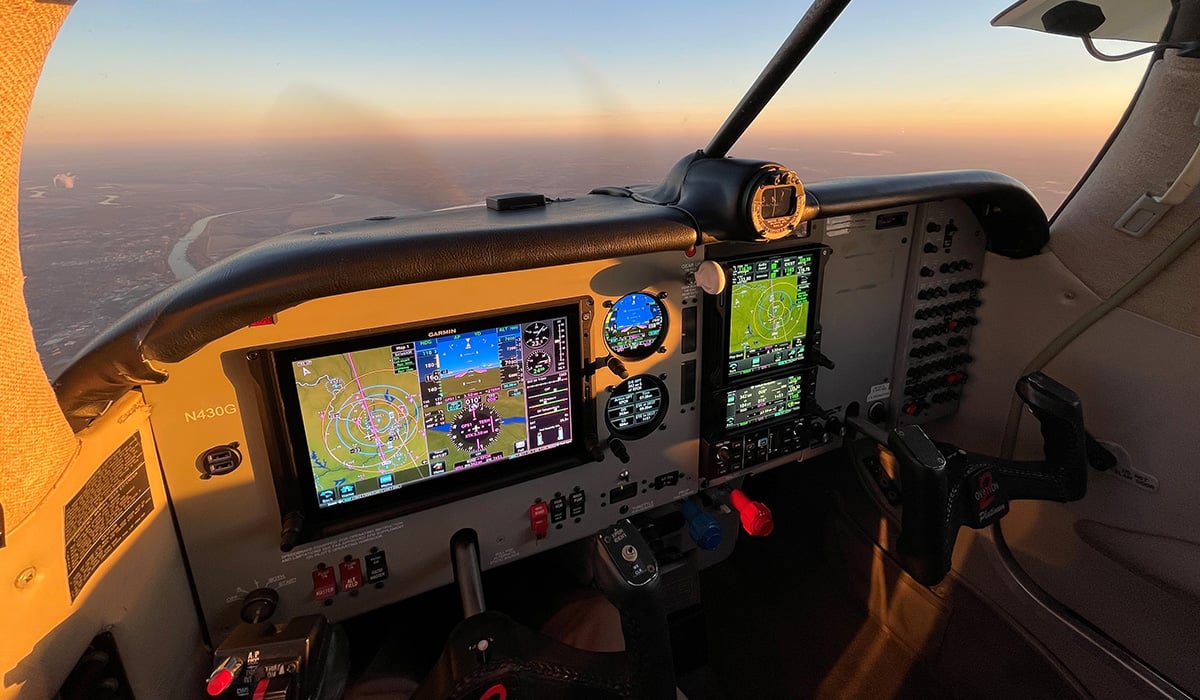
324,584
577,500
558,509
377,569
351,574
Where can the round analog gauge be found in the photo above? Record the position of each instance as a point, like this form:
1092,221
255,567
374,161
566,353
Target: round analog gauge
636,407
537,363
636,326
474,428
536,334
775,203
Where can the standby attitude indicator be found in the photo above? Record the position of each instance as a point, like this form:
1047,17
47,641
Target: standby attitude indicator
636,326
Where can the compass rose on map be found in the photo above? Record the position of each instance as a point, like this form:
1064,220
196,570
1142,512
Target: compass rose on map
475,428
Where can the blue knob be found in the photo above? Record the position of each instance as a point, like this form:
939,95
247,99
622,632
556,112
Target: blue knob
703,528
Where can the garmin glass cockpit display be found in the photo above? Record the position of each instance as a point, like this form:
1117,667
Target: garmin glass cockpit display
413,417
761,343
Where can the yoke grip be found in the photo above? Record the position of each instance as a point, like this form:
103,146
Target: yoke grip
926,534
945,488
1064,439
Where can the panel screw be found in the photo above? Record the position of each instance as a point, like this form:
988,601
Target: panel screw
26,577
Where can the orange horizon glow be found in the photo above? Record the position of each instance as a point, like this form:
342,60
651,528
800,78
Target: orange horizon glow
1032,121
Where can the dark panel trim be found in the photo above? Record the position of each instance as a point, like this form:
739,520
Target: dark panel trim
1012,219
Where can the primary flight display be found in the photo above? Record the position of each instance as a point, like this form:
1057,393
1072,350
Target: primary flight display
380,417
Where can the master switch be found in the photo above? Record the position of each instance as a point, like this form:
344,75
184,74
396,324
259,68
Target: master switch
539,520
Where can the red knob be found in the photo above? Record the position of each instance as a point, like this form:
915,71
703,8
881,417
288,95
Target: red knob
756,517
223,676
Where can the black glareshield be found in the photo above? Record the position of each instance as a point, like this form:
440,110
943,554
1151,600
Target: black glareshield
945,488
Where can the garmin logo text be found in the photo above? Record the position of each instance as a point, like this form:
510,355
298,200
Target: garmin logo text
447,331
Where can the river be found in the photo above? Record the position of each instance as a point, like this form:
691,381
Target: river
177,259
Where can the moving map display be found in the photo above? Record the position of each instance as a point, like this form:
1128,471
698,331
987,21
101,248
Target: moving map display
377,418
769,312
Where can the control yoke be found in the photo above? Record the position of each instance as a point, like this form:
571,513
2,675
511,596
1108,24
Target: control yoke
945,488
491,656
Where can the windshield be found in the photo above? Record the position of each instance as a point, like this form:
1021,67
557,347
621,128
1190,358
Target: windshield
166,136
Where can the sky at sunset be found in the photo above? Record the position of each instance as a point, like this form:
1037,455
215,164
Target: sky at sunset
127,71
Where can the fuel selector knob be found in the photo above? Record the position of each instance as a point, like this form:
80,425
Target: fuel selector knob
711,277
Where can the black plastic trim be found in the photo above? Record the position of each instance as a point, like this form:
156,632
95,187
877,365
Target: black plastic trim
1012,219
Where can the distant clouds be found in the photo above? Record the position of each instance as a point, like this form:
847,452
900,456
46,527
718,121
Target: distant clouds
867,154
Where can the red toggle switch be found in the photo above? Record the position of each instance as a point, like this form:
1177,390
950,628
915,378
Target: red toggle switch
956,378
277,688
539,519
756,517
223,676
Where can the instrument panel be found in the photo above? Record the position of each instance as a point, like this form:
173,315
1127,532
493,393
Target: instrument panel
534,406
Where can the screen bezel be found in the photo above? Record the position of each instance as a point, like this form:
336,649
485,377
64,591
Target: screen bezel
295,489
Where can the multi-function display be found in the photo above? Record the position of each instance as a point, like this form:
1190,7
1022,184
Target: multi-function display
380,417
636,406
763,402
769,313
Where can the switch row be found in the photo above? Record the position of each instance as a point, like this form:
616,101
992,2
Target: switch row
558,509
916,406
954,288
947,309
965,286
951,326
349,575
956,266
927,350
957,378
942,365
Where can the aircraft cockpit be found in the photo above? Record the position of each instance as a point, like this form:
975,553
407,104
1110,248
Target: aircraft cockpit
381,458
